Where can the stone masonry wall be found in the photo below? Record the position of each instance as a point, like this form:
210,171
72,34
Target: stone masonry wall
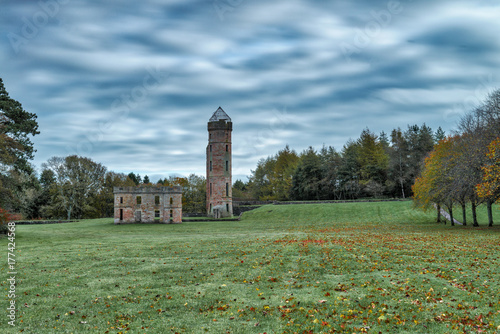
147,205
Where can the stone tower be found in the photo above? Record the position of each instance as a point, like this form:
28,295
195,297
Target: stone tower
219,185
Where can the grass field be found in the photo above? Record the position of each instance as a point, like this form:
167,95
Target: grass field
339,268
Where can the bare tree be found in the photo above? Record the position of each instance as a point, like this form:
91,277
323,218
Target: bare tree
77,179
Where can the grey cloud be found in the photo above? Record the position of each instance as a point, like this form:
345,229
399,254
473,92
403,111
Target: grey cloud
261,59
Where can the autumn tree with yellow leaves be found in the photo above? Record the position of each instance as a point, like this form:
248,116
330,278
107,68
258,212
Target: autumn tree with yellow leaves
490,187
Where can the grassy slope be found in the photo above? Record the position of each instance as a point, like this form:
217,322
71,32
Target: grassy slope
331,267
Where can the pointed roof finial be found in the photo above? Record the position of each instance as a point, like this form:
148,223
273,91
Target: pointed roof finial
218,115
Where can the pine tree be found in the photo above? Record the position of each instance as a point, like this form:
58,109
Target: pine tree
16,125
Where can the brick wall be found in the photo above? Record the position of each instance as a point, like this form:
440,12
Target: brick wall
219,166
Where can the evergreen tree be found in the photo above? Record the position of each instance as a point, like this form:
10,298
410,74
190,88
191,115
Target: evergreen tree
439,135
306,183
349,171
398,166
330,164
136,178
16,125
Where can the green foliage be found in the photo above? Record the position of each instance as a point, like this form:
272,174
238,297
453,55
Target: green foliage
16,149
307,177
330,164
77,181
239,185
272,179
194,190
373,162
195,194
370,166
346,268
16,125
103,201
439,135
136,178
241,190
349,168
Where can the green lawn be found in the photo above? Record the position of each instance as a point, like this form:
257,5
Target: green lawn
353,267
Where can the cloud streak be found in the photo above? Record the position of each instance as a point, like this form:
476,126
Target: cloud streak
87,68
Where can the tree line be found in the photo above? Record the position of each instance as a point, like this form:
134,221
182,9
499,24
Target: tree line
464,168
370,166
461,169
76,187
67,187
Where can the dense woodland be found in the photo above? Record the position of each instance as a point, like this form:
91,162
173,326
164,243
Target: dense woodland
371,166
463,169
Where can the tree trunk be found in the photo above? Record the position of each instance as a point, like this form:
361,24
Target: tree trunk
402,188
490,213
401,174
439,214
451,215
474,214
464,214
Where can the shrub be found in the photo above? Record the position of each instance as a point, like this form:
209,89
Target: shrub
5,217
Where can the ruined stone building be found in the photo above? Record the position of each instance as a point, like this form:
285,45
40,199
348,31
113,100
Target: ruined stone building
148,205
219,185
164,204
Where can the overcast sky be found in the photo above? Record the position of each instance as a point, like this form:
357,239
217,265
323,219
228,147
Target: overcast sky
132,84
